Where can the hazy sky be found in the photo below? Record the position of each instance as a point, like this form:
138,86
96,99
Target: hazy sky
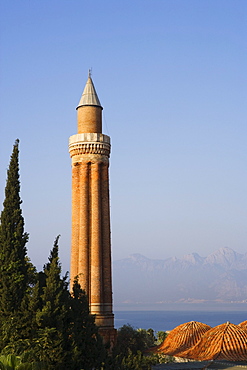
171,76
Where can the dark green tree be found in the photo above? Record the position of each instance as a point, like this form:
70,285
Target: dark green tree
67,337
87,346
161,336
15,269
53,316
39,318
131,351
132,340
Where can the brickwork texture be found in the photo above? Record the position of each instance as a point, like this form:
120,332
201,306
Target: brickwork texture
90,237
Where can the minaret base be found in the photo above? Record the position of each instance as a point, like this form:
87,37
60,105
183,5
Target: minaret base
109,335
103,319
105,323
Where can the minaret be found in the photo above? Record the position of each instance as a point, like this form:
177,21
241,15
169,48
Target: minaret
91,244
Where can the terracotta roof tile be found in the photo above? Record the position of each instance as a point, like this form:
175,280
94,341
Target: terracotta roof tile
224,342
243,324
182,337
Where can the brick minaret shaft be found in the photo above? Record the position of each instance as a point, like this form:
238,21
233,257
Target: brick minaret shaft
91,244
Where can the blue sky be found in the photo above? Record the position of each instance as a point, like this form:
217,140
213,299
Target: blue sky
171,76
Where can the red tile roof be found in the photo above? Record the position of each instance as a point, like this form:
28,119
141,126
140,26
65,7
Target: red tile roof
243,324
224,342
182,337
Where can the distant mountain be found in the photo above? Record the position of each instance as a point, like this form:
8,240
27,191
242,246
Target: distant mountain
219,277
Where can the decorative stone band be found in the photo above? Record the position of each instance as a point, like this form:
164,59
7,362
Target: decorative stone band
89,143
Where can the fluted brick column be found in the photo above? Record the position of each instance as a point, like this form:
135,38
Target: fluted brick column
106,239
84,217
96,241
91,240
75,220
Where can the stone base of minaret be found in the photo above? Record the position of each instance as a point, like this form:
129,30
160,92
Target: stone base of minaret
109,336
105,323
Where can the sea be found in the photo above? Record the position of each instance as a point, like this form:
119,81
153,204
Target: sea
167,320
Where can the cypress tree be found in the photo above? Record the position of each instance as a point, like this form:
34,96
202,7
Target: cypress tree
14,266
37,312
53,319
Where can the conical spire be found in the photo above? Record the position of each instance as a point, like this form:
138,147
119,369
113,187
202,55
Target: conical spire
89,95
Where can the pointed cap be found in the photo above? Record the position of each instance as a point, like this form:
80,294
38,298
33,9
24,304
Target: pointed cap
89,95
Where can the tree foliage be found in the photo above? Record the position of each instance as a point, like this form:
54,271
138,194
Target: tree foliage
161,336
13,263
42,324
53,317
132,340
84,335
38,315
16,272
130,351
12,362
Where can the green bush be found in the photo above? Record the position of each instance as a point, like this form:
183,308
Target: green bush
12,362
129,352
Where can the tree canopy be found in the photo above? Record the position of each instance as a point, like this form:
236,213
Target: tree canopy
42,324
14,265
38,315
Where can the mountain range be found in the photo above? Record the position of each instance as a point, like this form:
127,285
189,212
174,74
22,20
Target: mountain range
219,277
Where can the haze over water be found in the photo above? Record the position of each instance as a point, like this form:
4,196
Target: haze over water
168,320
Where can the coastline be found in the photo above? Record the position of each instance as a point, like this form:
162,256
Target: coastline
205,306
165,320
